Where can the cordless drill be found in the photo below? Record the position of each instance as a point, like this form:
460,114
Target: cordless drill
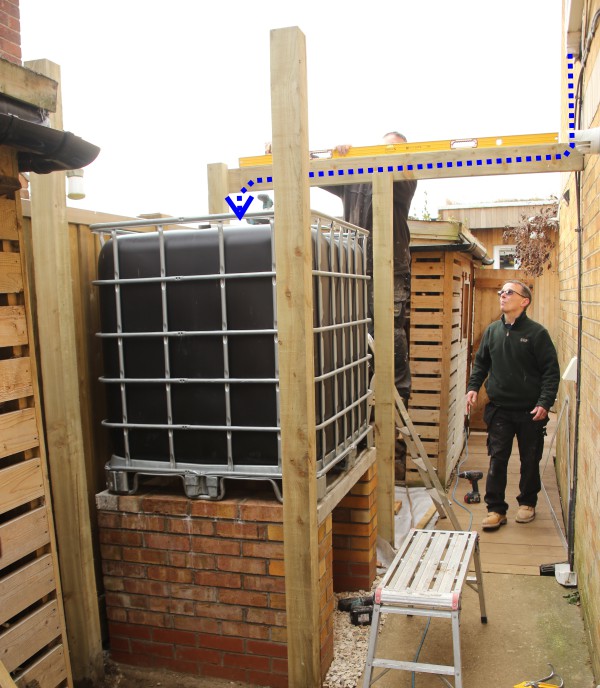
472,497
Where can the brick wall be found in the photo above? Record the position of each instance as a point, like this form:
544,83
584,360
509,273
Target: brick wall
10,31
587,531
199,587
355,535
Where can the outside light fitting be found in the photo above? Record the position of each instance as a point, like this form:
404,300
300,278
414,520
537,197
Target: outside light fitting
75,187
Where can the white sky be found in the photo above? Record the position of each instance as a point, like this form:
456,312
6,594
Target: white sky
164,88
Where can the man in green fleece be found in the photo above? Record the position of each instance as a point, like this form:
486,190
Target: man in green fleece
519,360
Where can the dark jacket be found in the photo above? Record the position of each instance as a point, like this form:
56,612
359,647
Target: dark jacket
520,364
358,210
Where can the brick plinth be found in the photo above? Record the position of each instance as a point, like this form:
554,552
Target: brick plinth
355,536
198,587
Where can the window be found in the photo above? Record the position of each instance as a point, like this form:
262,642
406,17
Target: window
504,257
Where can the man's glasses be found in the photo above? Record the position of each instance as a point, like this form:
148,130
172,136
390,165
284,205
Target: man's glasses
510,292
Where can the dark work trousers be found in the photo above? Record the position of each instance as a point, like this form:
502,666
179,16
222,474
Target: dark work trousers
401,362
503,425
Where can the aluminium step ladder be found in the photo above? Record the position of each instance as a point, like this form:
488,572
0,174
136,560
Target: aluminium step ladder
428,574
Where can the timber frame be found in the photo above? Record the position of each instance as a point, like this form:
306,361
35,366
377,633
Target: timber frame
291,175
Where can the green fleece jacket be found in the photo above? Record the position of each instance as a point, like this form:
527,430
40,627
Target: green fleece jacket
520,364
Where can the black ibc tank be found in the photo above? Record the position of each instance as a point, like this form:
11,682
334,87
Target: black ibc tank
190,350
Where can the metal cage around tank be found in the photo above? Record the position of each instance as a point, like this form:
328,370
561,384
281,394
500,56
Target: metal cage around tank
189,334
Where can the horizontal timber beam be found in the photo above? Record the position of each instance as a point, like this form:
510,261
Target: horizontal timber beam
471,162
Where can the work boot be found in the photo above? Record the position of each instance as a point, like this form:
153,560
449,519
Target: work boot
525,514
493,521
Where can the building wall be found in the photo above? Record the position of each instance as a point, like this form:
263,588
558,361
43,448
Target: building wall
10,31
587,531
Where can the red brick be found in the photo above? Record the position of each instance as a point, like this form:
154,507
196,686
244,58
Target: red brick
243,598
279,635
111,552
220,611
256,647
247,661
145,556
219,642
139,586
275,532
276,601
169,505
280,666
197,560
180,543
143,522
121,537
109,519
170,573
217,510
265,616
152,649
146,618
179,606
241,564
264,583
129,631
194,654
173,636
193,592
117,615
190,526
215,546
219,579
261,510
120,644
266,550
196,624
276,568
245,630
114,584
120,568
235,529
259,678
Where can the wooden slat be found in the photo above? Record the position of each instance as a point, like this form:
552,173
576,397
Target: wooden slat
426,334
8,220
433,351
49,670
435,302
11,279
428,400
20,483
30,635
427,285
25,586
425,415
23,535
15,379
5,678
28,86
13,326
426,367
18,432
424,384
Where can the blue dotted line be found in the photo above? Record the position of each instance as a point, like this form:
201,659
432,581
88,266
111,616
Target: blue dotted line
483,162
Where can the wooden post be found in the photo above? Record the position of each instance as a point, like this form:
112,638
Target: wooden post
62,412
383,307
217,188
293,253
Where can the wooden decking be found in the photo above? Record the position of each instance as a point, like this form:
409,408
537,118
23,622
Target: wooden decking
514,548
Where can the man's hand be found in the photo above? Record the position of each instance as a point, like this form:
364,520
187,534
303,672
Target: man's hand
539,413
471,400
343,148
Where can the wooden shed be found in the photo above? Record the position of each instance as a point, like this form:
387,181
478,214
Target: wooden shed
444,256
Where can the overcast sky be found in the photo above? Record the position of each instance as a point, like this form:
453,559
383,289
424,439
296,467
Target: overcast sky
164,88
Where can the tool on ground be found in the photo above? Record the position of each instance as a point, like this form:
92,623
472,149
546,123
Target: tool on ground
348,603
542,682
473,497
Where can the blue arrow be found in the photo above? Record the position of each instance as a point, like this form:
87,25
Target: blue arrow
239,210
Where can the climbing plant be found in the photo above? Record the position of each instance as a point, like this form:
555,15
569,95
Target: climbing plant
534,238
